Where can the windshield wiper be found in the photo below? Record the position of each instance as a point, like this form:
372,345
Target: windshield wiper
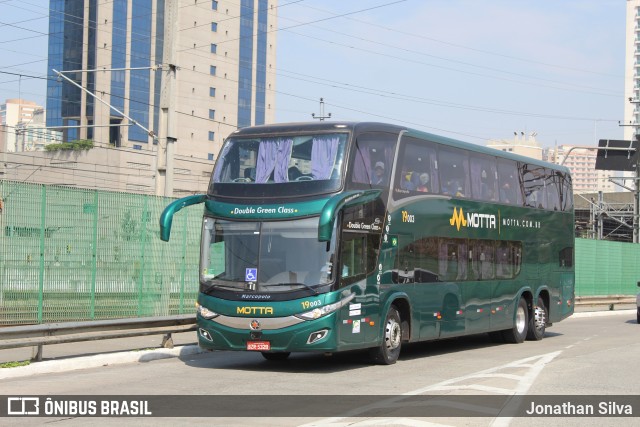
212,286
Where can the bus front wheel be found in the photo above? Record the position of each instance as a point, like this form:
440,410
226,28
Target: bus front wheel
388,351
275,356
518,332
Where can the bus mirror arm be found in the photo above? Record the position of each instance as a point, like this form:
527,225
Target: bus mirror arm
335,204
166,218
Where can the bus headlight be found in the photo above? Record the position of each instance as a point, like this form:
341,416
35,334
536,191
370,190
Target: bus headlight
319,312
205,312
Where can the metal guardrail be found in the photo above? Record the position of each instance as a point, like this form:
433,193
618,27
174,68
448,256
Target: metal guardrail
610,300
68,332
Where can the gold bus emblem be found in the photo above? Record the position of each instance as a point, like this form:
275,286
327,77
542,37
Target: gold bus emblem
457,219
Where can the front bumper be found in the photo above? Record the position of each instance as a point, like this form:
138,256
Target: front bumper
227,333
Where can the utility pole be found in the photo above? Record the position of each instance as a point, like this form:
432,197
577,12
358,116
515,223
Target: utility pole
167,132
636,182
321,117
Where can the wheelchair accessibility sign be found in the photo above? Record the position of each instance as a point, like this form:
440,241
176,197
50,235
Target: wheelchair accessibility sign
251,274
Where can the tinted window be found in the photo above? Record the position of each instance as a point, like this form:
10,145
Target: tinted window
510,190
566,257
433,259
416,171
454,175
533,184
372,158
484,177
553,186
566,197
481,254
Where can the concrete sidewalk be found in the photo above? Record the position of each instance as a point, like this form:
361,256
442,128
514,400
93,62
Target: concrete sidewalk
90,348
82,355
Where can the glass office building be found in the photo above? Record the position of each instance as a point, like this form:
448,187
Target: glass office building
222,49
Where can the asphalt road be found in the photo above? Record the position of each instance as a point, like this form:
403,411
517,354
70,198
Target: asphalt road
589,354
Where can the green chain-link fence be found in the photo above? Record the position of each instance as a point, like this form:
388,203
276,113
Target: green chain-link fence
73,254
607,268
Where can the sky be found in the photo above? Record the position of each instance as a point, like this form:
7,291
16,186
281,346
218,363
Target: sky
465,69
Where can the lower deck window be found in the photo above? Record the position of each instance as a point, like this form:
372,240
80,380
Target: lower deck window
435,259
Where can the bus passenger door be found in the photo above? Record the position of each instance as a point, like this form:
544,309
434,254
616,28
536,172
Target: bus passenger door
357,263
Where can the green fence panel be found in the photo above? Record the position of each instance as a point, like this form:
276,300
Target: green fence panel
70,254
606,268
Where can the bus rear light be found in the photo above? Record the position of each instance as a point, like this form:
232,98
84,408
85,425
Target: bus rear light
317,336
204,334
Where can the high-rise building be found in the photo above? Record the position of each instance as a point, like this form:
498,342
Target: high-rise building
582,163
522,144
632,70
23,126
224,53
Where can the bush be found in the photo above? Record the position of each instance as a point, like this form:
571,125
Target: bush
77,145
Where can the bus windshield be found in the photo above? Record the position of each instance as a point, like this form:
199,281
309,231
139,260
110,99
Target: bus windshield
312,162
278,256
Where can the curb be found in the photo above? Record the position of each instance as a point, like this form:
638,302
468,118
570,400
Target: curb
85,362
631,313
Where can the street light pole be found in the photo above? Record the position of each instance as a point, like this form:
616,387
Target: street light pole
167,131
61,74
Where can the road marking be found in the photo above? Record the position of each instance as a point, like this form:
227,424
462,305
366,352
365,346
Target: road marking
533,365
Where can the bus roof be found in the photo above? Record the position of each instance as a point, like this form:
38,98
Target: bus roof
358,127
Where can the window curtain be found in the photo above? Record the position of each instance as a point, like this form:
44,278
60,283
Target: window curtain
361,165
433,161
222,160
273,156
323,157
476,179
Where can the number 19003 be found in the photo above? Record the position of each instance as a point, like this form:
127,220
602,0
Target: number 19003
311,304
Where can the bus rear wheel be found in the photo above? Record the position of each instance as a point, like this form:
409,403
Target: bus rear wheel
275,356
538,321
388,351
518,332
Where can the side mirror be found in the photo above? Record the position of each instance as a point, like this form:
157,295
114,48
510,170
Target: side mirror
166,218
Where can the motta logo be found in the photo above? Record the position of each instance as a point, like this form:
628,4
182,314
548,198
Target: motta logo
473,220
457,219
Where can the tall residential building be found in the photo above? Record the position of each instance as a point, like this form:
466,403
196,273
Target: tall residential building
631,79
632,70
225,54
19,117
522,144
582,163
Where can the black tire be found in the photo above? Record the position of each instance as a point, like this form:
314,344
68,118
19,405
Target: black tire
275,357
538,321
388,351
638,315
518,332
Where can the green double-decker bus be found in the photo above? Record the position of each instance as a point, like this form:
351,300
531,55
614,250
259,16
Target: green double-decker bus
324,237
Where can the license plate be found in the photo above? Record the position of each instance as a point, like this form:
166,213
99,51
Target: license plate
258,345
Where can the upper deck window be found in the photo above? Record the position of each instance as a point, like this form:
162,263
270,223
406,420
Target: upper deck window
313,162
372,159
